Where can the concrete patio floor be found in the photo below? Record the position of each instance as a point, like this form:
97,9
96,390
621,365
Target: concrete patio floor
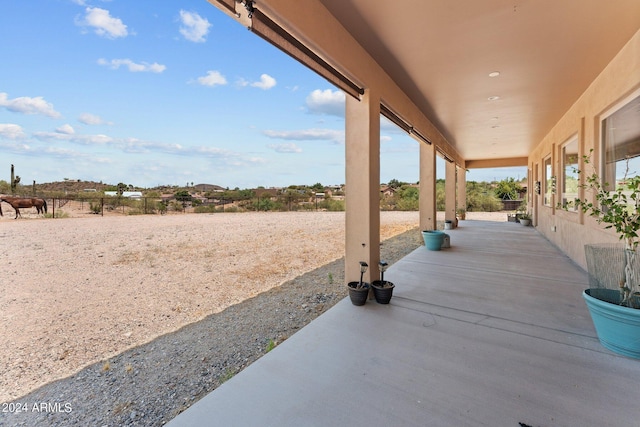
490,332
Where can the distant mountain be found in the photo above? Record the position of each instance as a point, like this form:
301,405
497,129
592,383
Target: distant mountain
203,188
78,186
69,186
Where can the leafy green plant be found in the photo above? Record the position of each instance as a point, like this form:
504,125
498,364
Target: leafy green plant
618,208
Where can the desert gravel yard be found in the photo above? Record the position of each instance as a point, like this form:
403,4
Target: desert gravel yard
77,291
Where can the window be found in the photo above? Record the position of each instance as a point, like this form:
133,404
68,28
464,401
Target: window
549,182
569,181
621,143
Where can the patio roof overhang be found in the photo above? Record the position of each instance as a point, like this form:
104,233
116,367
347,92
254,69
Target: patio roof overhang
432,61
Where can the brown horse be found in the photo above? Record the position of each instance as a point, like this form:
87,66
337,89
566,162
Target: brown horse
24,202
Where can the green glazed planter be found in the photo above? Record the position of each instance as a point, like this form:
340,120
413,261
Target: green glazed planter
433,239
618,327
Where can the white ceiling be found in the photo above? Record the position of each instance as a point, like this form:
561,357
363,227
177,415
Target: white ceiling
441,53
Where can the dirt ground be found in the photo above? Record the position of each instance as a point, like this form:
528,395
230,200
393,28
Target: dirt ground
81,289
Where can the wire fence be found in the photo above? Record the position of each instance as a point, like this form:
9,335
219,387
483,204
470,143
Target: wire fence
73,205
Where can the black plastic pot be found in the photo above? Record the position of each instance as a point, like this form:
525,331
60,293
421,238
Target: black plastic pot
358,295
383,291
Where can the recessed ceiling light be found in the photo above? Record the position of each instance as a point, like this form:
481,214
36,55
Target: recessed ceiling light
495,118
493,98
495,126
494,74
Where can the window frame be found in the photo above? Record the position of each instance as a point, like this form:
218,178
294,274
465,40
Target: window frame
548,190
606,171
566,203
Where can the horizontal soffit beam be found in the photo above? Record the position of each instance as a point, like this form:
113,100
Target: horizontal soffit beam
496,163
264,27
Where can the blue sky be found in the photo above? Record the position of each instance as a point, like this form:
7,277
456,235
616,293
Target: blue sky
169,93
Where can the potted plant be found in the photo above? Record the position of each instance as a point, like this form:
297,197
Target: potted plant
462,214
525,219
613,299
433,239
359,291
382,289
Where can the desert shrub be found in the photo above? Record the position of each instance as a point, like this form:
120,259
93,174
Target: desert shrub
407,205
59,214
95,207
483,203
205,209
332,205
176,206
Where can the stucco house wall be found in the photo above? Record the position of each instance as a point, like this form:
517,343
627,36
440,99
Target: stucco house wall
620,80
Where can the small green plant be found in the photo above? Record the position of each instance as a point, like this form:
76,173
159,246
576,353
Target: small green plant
228,374
330,278
270,346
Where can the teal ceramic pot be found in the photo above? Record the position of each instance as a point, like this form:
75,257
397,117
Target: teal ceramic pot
433,239
618,327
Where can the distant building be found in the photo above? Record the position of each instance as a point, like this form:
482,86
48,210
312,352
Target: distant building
127,194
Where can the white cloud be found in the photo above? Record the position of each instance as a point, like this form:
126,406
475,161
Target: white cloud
28,105
266,82
66,129
285,148
307,135
134,67
326,102
212,78
74,138
11,131
194,27
103,23
92,119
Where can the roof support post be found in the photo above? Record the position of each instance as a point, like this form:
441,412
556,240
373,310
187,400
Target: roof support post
427,187
450,191
461,179
362,152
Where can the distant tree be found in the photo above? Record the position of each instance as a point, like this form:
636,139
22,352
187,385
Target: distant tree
290,198
183,196
317,188
440,195
394,183
408,198
264,204
481,197
508,189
